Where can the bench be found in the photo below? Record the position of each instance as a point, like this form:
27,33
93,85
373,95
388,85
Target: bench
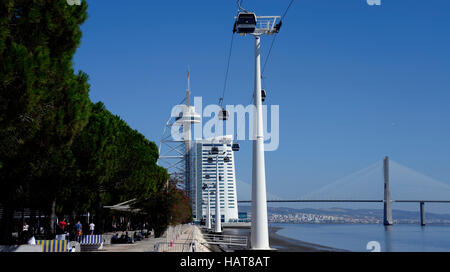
91,242
53,245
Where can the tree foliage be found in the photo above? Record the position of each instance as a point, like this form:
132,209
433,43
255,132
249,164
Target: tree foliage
43,103
59,152
169,206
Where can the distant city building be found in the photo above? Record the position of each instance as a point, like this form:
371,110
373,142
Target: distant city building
204,171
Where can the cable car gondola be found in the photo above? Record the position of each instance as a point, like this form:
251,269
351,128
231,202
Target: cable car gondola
235,147
278,26
245,23
223,115
214,150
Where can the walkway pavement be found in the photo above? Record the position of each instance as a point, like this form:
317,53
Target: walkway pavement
182,234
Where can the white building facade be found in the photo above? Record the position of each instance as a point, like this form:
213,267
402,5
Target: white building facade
205,174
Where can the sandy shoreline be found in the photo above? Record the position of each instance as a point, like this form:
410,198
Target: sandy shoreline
283,243
277,241
286,244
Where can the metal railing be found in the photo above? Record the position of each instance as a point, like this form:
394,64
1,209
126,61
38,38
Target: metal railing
171,245
266,22
174,247
231,240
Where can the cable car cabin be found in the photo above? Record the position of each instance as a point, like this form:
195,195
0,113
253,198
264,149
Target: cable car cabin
223,115
263,95
245,23
235,147
214,150
278,26
226,159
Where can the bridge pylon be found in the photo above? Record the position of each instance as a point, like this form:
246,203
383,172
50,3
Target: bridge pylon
387,215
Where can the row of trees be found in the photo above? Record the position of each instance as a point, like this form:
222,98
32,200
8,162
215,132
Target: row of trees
59,152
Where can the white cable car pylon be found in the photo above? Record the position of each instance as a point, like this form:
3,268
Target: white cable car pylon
248,23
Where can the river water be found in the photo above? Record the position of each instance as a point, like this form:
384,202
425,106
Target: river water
355,237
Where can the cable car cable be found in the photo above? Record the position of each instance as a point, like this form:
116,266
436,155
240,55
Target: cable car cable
226,74
284,14
275,37
240,8
268,54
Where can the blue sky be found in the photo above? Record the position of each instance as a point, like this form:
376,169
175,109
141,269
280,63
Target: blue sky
354,82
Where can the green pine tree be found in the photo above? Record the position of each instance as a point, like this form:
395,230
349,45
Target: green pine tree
44,104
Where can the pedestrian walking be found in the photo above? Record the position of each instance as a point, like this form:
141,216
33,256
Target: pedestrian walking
79,230
25,235
91,228
62,224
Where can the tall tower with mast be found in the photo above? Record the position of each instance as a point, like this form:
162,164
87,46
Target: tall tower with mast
175,147
187,131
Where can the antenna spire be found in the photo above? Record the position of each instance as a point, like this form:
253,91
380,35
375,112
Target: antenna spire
188,91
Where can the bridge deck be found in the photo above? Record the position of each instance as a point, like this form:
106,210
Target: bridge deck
350,201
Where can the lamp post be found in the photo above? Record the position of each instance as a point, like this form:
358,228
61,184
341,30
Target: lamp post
218,224
249,23
208,211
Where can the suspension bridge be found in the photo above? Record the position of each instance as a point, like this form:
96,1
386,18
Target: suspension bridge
409,187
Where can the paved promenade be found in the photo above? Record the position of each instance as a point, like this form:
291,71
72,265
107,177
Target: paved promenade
180,237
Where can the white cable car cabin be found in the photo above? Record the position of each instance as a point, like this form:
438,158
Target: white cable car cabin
245,23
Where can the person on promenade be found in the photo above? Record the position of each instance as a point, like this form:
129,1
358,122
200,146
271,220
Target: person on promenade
192,247
91,228
62,225
25,229
78,228
115,239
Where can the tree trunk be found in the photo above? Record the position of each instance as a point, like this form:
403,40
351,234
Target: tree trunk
52,217
32,220
99,223
73,218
